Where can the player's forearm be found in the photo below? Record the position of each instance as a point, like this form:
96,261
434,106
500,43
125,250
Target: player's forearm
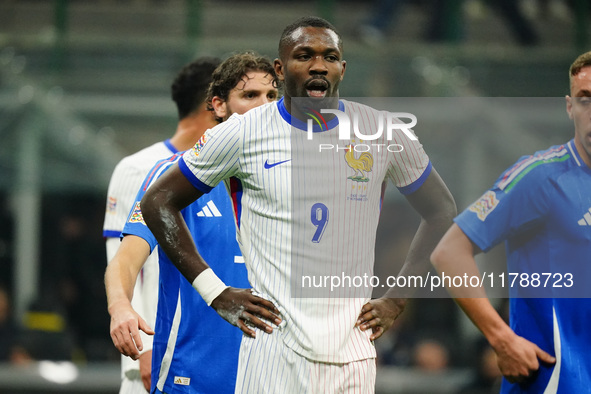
437,208
454,257
123,269
120,279
118,286
112,245
486,319
162,214
113,287
426,238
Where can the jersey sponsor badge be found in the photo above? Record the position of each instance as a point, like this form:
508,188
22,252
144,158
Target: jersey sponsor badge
199,144
484,205
136,214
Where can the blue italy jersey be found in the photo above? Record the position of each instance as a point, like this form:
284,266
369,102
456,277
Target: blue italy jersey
195,350
541,208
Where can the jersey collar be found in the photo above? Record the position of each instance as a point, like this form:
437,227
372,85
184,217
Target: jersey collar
575,154
302,125
170,146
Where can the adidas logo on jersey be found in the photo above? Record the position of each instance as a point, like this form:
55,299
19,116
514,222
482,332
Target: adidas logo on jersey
210,210
182,380
586,221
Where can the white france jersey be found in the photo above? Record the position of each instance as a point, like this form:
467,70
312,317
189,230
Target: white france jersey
126,180
303,214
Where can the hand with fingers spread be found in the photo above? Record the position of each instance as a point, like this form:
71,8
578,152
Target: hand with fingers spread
242,309
125,329
379,315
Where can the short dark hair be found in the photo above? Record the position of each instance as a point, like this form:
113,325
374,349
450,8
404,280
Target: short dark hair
189,89
232,70
306,21
583,60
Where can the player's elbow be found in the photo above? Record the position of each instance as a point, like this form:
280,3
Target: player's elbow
152,202
441,255
443,212
441,219
146,204
454,246
437,256
448,208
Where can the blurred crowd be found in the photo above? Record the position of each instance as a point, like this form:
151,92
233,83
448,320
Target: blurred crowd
68,319
446,19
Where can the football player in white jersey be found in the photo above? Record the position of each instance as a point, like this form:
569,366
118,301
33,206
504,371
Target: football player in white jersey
241,82
317,343
189,91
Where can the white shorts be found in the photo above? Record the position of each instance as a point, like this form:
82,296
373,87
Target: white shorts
132,386
266,365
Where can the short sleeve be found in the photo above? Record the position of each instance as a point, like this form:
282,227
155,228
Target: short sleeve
503,212
125,181
409,164
215,157
135,224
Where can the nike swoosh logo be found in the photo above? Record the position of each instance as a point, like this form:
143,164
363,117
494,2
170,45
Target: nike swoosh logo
271,165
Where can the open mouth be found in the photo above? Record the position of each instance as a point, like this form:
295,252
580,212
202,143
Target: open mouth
317,88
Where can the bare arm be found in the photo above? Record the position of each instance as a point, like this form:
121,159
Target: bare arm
517,357
437,208
161,209
120,278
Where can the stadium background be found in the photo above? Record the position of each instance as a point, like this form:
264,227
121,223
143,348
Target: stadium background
83,83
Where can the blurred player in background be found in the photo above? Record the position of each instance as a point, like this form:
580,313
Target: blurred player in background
189,92
192,345
541,207
317,344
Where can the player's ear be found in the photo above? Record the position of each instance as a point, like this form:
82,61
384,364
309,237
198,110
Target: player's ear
343,65
569,106
219,107
278,69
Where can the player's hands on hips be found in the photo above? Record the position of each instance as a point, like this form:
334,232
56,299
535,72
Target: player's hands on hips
243,309
379,315
519,359
125,330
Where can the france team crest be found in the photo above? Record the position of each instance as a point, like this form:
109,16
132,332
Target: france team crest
361,165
